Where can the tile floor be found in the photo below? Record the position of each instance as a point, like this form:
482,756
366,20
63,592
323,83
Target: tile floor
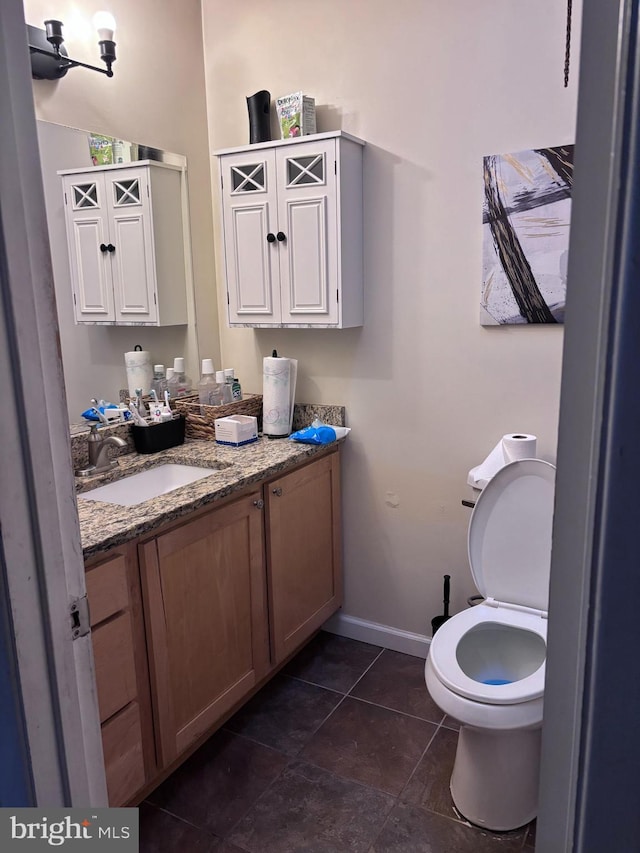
344,750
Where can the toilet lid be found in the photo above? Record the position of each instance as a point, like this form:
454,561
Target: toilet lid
510,534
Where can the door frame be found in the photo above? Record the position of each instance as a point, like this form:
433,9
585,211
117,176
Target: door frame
43,570
590,742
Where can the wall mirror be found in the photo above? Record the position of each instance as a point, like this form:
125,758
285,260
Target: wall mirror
93,355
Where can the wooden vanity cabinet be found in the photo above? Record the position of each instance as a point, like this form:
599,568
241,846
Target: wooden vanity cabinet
119,651
228,595
206,611
304,566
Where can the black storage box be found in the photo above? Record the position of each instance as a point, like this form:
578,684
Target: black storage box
157,437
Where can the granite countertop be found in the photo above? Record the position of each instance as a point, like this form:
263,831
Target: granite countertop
104,525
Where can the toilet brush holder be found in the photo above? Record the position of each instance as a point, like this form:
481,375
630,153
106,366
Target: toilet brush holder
438,621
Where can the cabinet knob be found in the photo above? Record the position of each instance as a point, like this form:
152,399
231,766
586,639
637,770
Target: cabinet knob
103,247
281,236
259,503
277,492
111,247
271,238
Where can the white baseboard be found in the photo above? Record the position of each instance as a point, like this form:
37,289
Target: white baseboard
379,635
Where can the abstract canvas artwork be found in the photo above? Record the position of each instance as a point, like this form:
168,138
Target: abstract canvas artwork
526,216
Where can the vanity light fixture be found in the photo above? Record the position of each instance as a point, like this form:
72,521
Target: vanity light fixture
49,58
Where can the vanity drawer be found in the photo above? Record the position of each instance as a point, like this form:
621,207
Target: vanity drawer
107,589
113,654
123,755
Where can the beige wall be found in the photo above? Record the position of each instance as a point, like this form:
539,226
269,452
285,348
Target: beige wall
157,97
432,87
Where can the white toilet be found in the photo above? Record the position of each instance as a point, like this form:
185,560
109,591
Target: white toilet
486,665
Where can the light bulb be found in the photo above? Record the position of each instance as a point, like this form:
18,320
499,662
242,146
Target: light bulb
105,24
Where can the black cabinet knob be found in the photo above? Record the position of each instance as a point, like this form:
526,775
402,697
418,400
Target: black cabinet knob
271,238
103,248
281,237
111,247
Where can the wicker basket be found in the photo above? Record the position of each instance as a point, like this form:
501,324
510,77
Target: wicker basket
200,419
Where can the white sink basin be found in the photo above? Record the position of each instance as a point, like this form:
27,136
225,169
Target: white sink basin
137,488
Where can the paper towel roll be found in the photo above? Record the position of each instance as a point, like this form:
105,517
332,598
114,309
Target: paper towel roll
139,371
278,395
510,448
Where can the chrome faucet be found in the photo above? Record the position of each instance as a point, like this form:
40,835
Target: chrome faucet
98,445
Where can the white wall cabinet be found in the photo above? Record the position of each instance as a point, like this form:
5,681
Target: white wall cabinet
292,232
126,244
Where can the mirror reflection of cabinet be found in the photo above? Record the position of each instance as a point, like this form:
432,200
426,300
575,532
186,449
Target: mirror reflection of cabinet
126,252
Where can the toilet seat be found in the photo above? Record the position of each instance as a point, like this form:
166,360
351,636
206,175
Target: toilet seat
443,653
509,545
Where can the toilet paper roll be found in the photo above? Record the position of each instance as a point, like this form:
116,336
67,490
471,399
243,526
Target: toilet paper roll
139,371
278,395
510,448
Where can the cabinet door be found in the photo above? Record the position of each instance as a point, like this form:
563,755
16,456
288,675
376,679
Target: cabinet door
205,607
307,219
250,245
132,260
87,231
303,552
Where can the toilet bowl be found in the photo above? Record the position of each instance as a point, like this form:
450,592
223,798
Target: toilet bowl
486,665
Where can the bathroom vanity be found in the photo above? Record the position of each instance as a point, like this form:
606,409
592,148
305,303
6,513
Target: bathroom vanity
199,596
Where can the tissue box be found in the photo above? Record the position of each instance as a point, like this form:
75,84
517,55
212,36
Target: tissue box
296,115
236,430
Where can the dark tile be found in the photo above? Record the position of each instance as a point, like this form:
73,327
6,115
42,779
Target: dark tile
308,810
284,714
429,785
216,786
332,661
451,723
413,830
163,833
397,681
370,744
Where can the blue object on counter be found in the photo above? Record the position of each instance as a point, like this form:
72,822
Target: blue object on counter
90,414
314,435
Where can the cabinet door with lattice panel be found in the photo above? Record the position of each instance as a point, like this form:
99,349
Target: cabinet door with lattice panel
307,225
249,203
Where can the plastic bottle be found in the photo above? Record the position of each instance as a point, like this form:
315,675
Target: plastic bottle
209,390
236,389
230,379
180,384
225,387
159,384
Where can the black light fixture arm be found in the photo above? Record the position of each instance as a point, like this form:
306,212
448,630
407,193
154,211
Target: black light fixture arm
66,61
